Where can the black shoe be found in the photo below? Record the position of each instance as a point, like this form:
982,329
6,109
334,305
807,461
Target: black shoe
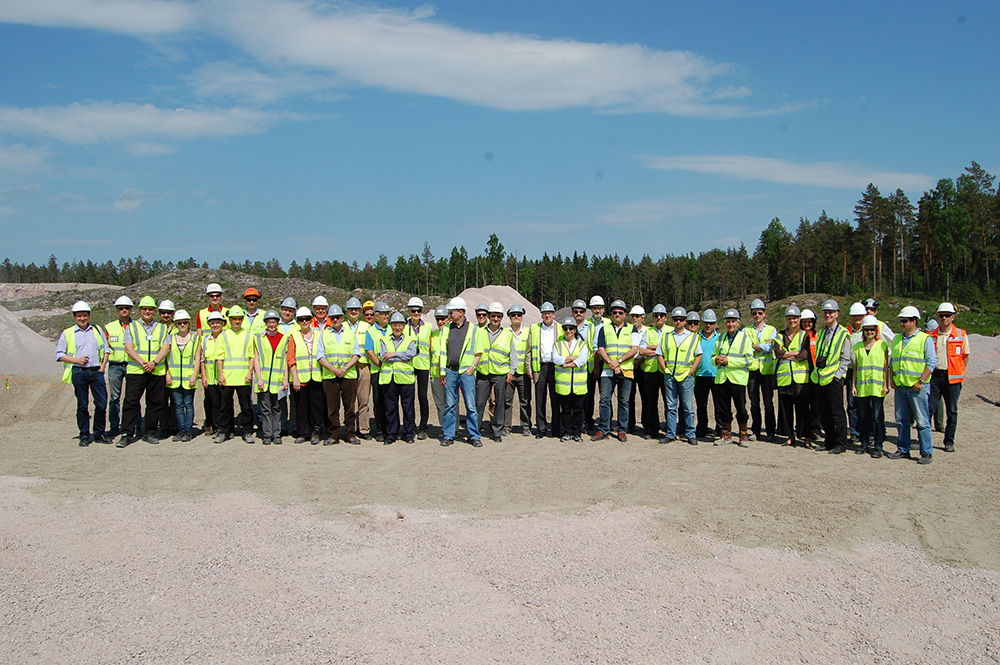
124,441
388,441
924,459
276,440
354,441
265,441
875,453
380,438
300,439
949,447
151,438
498,439
540,434
314,441
409,439
364,437
861,450
422,434
898,455
477,443
85,440
666,439
838,449
692,442
447,442
330,442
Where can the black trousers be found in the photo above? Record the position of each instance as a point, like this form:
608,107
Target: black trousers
137,385
571,408
310,410
397,397
213,402
378,402
832,413
593,386
649,390
522,384
497,383
545,388
761,386
422,376
703,387
793,415
731,397
244,422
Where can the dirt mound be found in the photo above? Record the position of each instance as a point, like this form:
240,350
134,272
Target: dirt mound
506,296
16,291
24,350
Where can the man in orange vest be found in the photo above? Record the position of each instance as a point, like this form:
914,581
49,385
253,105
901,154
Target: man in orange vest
952,345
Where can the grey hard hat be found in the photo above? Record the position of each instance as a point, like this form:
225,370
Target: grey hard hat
290,303
335,310
569,322
659,308
516,309
482,307
381,308
353,303
547,307
441,310
618,304
678,313
757,304
397,317
693,316
578,304
732,314
709,316
793,310
271,314
830,305
931,325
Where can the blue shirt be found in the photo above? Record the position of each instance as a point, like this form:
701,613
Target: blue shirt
705,367
930,351
86,345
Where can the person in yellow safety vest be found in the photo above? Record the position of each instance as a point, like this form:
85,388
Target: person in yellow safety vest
397,349
856,314
302,356
421,331
437,390
339,358
617,344
359,326
168,419
236,364
733,358
952,345
870,385
114,332
253,321
147,343
913,359
885,333
678,353
521,378
214,294
833,357
272,381
596,324
183,365
693,324
286,326
320,307
209,376
83,350
760,386
462,346
495,371
637,316
374,335
570,356
791,351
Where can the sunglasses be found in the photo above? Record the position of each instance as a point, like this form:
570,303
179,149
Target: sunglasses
416,310
252,299
124,309
214,295
517,315
441,318
944,315
579,311
304,318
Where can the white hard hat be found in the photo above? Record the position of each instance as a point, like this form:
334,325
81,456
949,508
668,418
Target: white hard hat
946,308
213,288
909,312
124,301
320,301
80,306
181,315
303,312
732,314
457,303
637,310
808,314
415,302
597,300
869,321
166,305
709,316
496,308
216,316
857,309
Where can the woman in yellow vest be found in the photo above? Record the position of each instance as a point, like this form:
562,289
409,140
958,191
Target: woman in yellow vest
306,378
82,349
570,355
209,375
183,362
870,386
791,350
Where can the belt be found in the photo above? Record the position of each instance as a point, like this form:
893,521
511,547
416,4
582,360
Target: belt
118,362
94,368
549,364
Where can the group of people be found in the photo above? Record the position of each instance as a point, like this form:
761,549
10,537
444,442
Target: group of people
317,372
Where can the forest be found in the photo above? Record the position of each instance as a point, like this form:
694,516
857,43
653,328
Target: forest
946,245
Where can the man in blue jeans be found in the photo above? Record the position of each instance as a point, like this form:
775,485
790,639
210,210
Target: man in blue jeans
678,353
83,351
913,359
462,346
617,345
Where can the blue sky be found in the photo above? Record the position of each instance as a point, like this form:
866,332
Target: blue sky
232,129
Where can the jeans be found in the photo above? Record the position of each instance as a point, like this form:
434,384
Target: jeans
912,406
684,390
871,421
183,408
940,388
89,381
453,382
608,384
116,378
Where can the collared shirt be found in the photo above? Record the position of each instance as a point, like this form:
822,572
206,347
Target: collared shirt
456,335
636,340
546,341
705,367
321,351
287,328
390,345
680,340
942,348
369,340
930,352
765,346
149,332
581,359
86,345
846,354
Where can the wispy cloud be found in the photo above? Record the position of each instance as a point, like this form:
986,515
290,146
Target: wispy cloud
69,200
20,157
844,175
141,124
134,17
132,198
231,81
19,192
7,211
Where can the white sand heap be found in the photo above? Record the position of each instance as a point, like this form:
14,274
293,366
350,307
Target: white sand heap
506,296
24,350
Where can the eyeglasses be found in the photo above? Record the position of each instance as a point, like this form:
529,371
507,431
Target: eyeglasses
579,311
124,309
658,315
369,315
304,318
440,318
944,315
416,310
337,316
676,319
512,315
253,299
214,295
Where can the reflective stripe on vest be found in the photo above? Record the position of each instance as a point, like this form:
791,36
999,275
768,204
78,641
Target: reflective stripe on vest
793,371
435,353
616,347
306,359
359,331
70,333
116,342
653,336
765,359
146,348
235,367
908,361
207,351
869,368
679,358
575,379
521,347
423,358
272,362
396,371
823,376
536,344
180,363
496,358
470,345
337,353
739,354
956,348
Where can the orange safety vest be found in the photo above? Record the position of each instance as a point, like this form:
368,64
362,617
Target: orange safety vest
956,361
812,343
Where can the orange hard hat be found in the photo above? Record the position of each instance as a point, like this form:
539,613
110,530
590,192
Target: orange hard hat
251,292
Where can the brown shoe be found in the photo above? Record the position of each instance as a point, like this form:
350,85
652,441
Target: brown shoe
744,438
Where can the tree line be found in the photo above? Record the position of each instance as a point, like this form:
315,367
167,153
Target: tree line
948,243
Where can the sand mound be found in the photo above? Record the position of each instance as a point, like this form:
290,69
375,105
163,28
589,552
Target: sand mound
504,295
25,351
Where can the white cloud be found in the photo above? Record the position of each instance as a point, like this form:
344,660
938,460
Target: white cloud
20,157
135,17
19,192
132,198
133,123
223,79
845,175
